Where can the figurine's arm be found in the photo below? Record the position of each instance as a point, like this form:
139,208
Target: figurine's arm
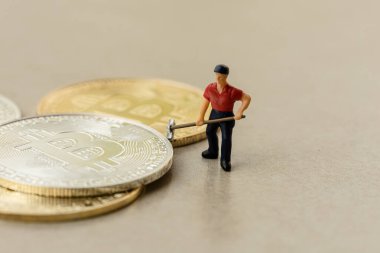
245,100
202,112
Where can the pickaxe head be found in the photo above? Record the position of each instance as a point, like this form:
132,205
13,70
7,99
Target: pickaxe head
170,131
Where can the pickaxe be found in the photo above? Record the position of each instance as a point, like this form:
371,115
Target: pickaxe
172,126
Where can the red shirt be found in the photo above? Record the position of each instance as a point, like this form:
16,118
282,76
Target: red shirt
224,101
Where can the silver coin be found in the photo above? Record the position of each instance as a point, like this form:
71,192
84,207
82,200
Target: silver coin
8,110
80,155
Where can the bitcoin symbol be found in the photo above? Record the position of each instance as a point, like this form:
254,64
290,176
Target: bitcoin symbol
79,148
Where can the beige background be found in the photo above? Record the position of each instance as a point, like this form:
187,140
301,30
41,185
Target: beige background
305,162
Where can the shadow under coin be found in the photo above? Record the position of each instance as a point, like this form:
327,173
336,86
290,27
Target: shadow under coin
159,184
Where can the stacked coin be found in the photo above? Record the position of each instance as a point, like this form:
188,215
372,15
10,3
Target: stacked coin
66,166
8,110
29,207
152,102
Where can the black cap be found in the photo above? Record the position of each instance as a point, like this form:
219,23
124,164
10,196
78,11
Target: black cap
222,69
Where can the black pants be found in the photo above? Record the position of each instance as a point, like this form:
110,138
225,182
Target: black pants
226,128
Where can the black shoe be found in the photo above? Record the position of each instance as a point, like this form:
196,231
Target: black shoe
206,154
226,166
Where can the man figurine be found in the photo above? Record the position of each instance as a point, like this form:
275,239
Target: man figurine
222,97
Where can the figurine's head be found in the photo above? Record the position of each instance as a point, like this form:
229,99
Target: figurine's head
221,72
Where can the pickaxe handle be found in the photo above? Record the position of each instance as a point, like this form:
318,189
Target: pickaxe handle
205,122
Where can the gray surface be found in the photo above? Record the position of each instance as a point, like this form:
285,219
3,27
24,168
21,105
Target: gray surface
305,162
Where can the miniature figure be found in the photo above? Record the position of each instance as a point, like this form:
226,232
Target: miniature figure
222,97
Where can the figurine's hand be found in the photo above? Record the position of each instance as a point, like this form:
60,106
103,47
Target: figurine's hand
238,116
199,122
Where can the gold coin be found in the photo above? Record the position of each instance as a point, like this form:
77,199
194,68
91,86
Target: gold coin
152,102
28,207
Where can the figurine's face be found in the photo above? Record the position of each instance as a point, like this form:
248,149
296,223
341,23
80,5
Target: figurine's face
221,78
